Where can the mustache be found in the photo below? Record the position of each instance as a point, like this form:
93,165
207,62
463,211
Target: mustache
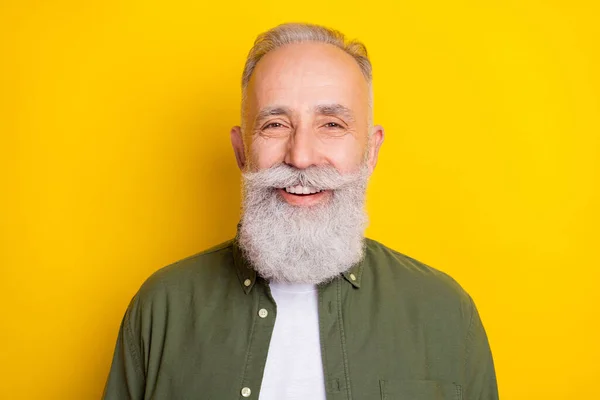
321,177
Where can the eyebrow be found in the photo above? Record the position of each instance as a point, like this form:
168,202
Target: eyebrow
270,112
335,110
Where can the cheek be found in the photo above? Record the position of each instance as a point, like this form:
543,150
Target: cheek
265,153
345,155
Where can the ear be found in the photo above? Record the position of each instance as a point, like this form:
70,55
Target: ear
237,142
375,142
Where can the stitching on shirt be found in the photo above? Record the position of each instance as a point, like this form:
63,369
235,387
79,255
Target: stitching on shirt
250,343
343,338
469,333
459,392
382,389
132,349
322,335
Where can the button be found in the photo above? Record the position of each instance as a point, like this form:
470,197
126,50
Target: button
247,283
353,277
246,392
263,313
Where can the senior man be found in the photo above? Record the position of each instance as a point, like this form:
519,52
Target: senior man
300,305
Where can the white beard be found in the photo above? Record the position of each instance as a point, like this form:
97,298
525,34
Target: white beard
294,244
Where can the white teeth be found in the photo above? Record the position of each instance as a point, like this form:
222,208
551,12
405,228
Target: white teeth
301,189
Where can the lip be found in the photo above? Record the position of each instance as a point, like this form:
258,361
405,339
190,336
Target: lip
306,200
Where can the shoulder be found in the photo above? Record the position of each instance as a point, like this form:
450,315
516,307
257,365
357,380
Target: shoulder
176,291
196,272
414,281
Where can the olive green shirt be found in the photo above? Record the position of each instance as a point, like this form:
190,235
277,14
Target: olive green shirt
390,328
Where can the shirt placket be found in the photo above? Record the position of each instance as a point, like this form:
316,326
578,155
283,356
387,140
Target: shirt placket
264,313
333,342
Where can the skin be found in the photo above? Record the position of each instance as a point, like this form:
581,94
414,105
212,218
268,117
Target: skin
307,105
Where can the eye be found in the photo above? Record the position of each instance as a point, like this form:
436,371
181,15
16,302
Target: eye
273,125
333,125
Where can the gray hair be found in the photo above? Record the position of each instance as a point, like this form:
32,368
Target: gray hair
290,33
286,243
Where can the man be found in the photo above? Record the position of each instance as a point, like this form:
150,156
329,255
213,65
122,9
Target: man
300,305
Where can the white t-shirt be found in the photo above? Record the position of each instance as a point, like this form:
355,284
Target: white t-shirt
294,369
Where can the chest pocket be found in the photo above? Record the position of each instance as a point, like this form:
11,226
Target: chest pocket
419,390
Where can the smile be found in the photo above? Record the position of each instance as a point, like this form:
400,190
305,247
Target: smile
301,189
304,196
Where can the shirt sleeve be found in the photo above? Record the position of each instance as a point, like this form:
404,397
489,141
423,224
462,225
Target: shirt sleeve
480,382
126,379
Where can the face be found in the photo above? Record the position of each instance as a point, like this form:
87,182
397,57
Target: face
307,104
306,155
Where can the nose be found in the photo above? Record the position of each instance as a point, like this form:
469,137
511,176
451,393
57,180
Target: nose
302,151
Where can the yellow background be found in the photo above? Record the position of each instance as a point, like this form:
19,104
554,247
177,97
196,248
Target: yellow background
115,161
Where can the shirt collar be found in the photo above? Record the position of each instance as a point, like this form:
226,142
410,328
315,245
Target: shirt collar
248,276
354,274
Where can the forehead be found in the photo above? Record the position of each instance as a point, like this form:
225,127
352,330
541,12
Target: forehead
303,75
